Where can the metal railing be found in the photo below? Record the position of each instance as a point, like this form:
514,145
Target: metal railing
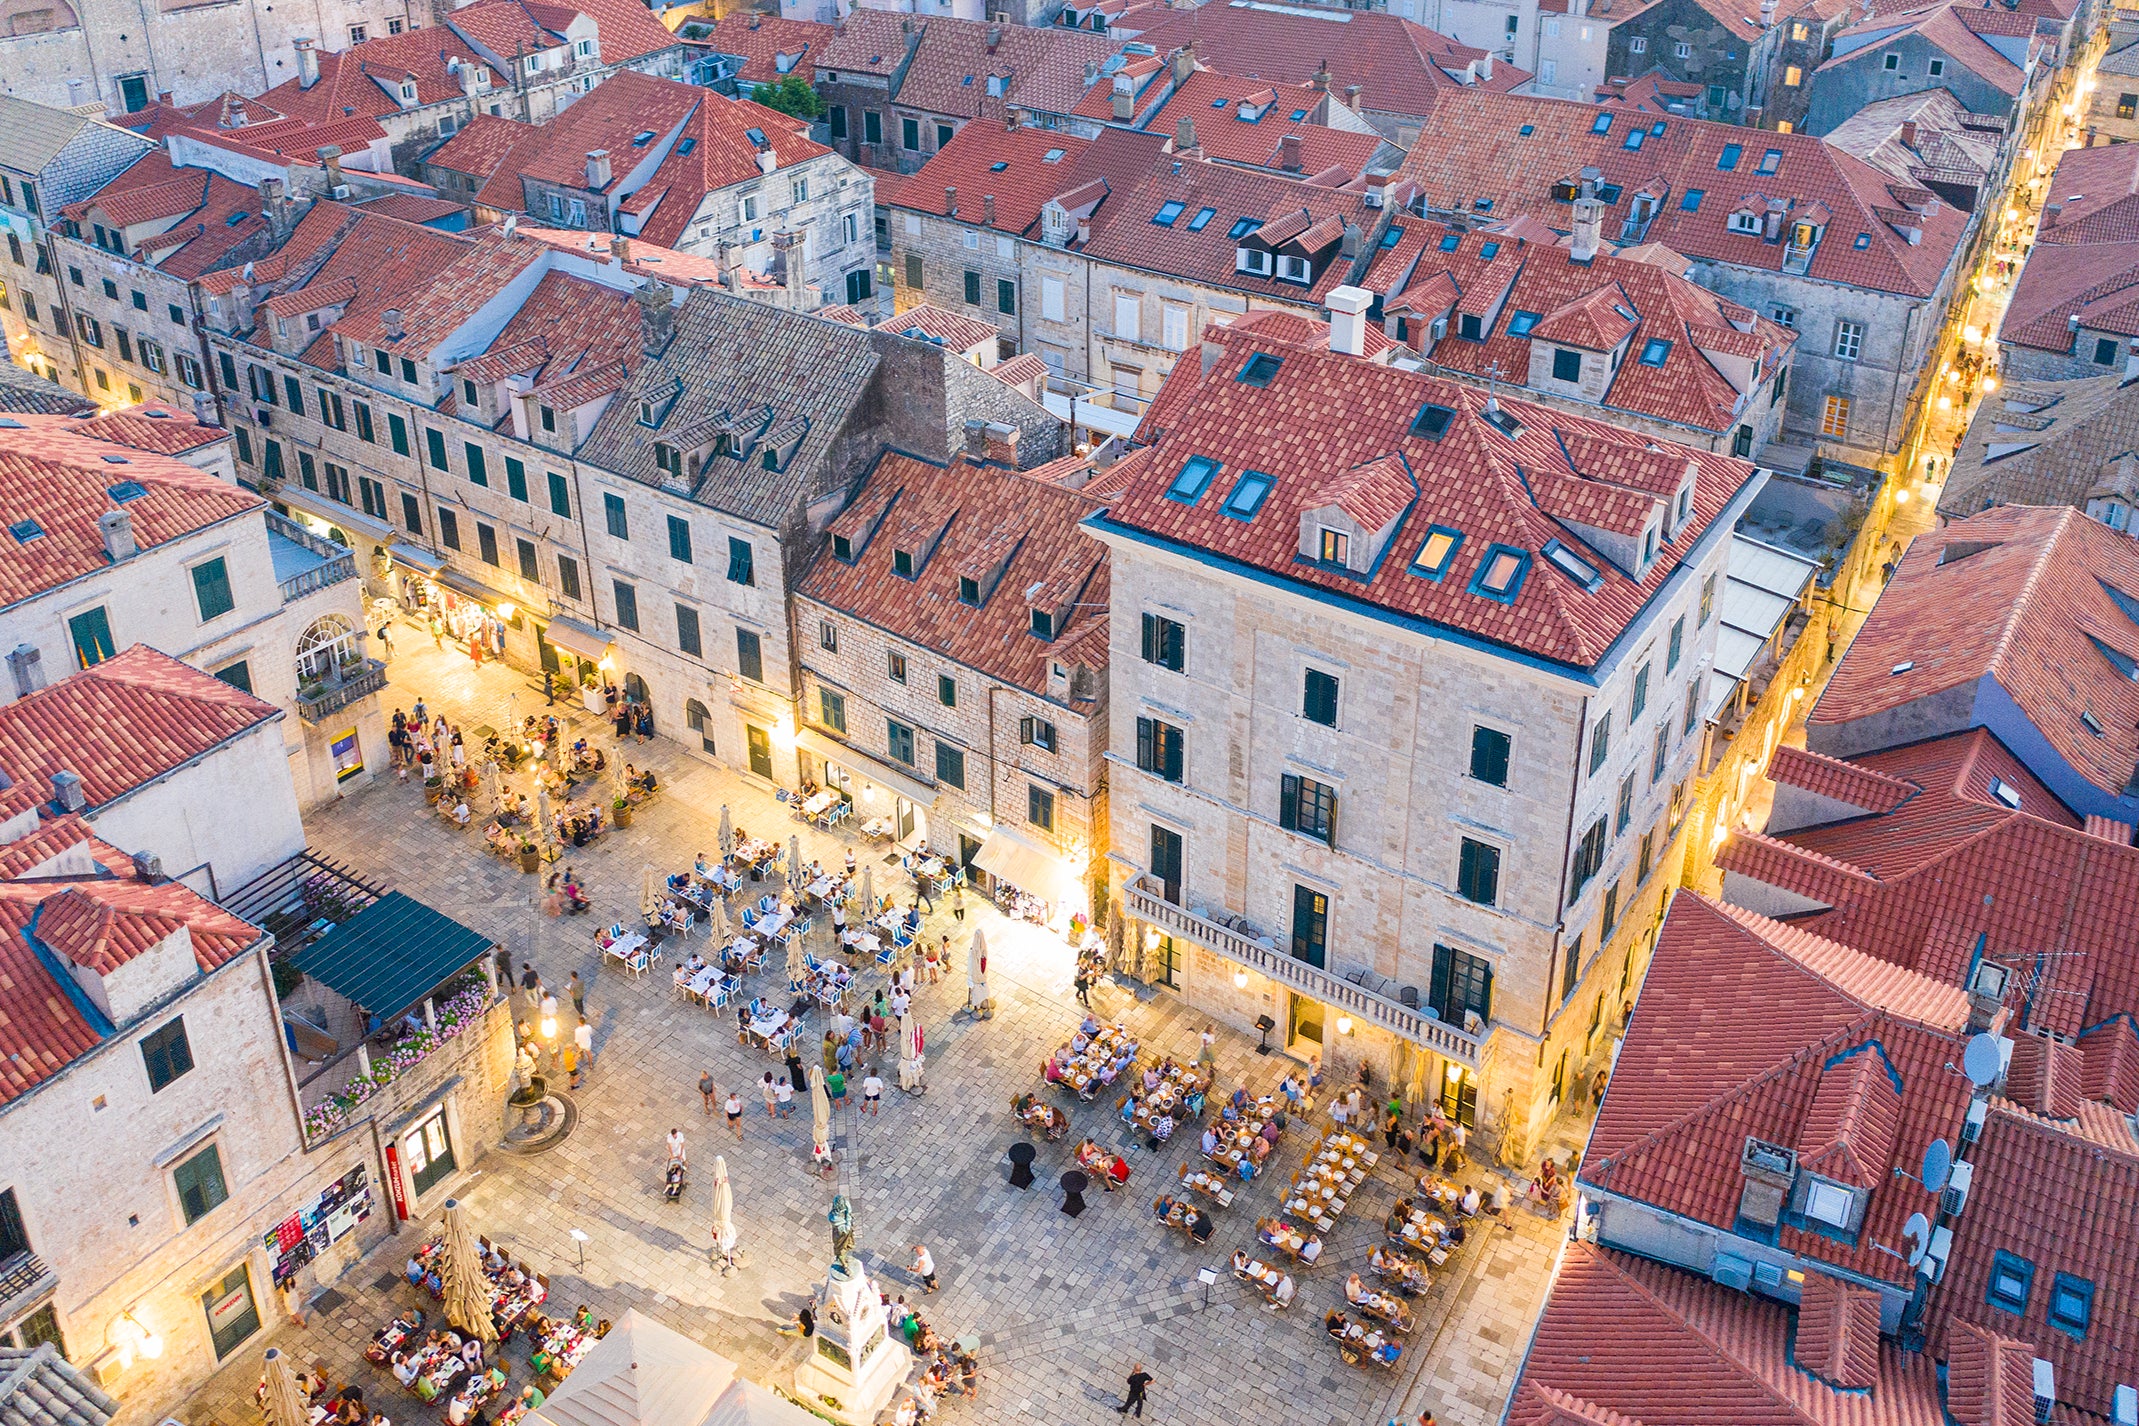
364,681
1416,1025
340,561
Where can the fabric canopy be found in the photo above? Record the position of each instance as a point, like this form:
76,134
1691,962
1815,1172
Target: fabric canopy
577,638
906,785
1027,866
474,589
416,557
392,954
644,1374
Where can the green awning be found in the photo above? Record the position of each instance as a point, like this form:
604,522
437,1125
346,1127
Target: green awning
392,954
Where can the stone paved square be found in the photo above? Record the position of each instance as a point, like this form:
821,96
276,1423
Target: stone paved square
1063,1307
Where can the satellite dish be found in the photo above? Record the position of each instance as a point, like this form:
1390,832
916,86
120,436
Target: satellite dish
1918,1231
1982,1060
1938,1164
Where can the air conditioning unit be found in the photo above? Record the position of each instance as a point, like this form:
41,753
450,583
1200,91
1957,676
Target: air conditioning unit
338,191
1933,1266
1972,1126
1440,328
1955,1198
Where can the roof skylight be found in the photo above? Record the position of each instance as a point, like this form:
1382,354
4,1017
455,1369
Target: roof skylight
1432,421
1500,574
1202,219
1168,211
1195,478
1436,552
1576,568
25,531
1521,324
1248,494
1259,369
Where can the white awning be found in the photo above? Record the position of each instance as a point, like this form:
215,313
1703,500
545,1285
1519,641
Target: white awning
1720,688
1090,414
577,638
868,767
1736,650
1765,566
416,557
1028,866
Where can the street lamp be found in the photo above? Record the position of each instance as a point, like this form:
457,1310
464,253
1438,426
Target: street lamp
580,1238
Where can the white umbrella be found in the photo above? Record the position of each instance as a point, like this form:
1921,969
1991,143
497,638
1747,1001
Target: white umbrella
649,889
727,831
868,892
723,1202
977,973
794,862
909,1052
285,1404
820,1108
796,969
542,815
717,919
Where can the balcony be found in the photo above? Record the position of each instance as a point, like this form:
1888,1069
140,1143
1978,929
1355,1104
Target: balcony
1416,1025
305,563
316,702
26,1284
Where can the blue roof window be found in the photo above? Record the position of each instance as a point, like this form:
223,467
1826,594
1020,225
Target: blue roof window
1451,241
1521,324
1436,552
1432,421
1500,573
1259,369
1242,227
1195,478
1248,494
1654,350
1728,163
1489,251
1691,203
1167,213
1603,124
1202,219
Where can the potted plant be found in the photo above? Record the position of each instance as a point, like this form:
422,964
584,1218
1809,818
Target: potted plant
622,807
530,857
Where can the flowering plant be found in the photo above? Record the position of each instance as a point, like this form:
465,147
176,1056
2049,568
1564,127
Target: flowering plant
453,1013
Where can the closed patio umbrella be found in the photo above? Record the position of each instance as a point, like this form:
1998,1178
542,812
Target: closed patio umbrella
797,972
910,1053
467,1291
820,1108
977,976
1117,941
717,919
723,1207
542,817
285,1403
727,831
868,892
794,862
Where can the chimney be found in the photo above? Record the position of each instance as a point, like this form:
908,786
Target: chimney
620,249
1322,78
598,172
1352,93
1767,13
1288,153
275,207
117,528
330,158
950,200
1348,319
2131,361
1348,245
67,794
1908,133
391,320
1001,445
1091,73
510,224
755,19
976,439
2049,215
995,36
307,63
987,210
26,663
657,317
1184,135
467,79
784,246
204,409
1485,66
242,302
1589,225
1776,211
1184,63
234,112
149,867
1124,105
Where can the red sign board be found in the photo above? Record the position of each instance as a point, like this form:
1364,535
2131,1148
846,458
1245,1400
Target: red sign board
393,1181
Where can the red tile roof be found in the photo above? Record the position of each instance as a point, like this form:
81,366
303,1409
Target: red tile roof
763,42
382,264
154,426
1949,28
623,107
983,161
126,721
1008,533
2024,601
494,150
1838,1331
1705,1063
1584,305
645,259
1401,67
1242,120
713,152
1652,1345
1990,1378
1507,152
2096,191
99,921
1849,782
2085,262
412,207
1311,217
568,331
1323,411
54,473
1043,66
953,329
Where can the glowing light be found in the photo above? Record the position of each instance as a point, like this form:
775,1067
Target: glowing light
1901,497
1240,980
1455,1074
549,1027
1972,335
1344,1024
783,734
1797,695
1990,383
505,610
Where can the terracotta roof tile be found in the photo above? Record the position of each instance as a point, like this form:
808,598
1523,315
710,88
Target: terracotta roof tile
124,722
1242,120
952,329
764,42
1849,782
1322,411
1042,66
1020,169
1838,1332
2111,1072
1990,1379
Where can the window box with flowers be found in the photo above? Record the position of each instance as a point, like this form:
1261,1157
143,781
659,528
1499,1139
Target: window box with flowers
458,1008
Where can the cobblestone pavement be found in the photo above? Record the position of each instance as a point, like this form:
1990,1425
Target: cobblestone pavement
1063,1307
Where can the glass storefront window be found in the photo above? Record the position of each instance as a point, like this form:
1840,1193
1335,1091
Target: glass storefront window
430,1152
232,1314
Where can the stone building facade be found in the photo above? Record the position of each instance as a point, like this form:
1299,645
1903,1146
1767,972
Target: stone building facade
1399,842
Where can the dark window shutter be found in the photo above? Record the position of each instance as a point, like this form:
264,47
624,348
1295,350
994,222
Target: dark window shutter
1288,808
1151,639
1145,758
1437,991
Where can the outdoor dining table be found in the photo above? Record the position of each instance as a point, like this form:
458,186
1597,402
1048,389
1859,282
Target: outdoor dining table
822,888
772,923
1210,1185
772,1032
892,921
816,806
628,950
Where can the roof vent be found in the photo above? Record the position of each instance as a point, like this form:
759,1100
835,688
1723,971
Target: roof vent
1903,667
67,794
117,529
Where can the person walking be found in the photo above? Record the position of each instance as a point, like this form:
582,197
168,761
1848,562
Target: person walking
1206,1054
583,1037
1084,987
924,1267
531,985
569,1054
798,1080
549,688
578,993
783,1098
708,1091
872,1092
1138,1380
958,900
771,1095
734,1108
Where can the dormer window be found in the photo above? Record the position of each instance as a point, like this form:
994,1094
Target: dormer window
1648,546
408,91
668,459
646,413
1253,260
1685,503
1259,369
469,393
842,549
1333,546
902,563
1043,624
969,591
1744,222
1294,269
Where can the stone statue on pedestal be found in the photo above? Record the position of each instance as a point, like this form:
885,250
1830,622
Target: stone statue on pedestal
842,1220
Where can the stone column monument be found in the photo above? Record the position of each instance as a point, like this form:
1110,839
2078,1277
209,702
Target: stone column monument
854,1367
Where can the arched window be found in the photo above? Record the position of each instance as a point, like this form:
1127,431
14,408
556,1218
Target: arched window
324,645
634,688
699,721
